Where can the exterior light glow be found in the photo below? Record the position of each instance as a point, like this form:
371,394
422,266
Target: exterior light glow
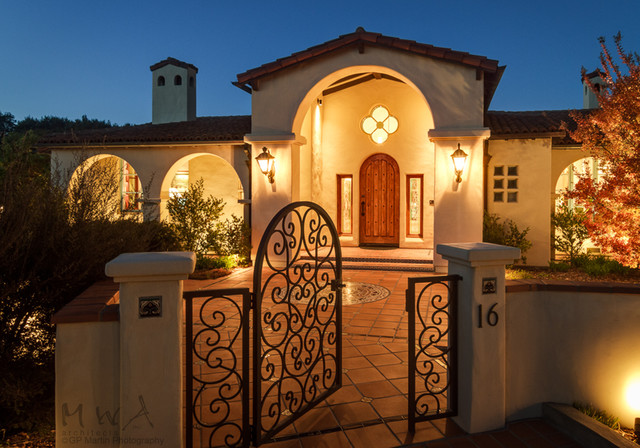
379,125
459,158
633,395
266,164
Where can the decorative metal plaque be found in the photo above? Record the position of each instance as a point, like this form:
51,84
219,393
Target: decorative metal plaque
489,285
150,306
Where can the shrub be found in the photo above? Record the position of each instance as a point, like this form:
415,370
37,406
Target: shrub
197,225
49,254
571,231
559,267
506,233
195,219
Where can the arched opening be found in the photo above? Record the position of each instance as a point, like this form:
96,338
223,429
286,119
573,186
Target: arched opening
177,81
161,81
219,178
105,187
352,117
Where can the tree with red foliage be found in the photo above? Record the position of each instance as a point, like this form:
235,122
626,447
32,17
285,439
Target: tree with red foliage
611,134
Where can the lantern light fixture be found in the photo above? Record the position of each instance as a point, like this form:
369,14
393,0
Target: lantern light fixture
266,163
459,158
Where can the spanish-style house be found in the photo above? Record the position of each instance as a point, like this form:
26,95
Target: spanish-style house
392,137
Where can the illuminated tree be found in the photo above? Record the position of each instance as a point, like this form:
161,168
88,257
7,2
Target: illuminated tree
611,134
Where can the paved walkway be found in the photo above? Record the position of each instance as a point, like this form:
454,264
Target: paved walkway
370,410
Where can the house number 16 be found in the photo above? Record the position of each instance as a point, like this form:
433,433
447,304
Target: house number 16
491,316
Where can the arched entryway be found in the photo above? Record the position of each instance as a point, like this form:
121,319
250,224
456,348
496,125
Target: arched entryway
380,201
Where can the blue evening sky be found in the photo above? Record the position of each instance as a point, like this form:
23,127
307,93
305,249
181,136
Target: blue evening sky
73,57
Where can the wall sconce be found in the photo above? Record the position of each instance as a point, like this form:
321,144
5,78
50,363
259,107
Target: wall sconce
266,163
459,158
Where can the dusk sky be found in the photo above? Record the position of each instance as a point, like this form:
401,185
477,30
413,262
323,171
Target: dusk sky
69,57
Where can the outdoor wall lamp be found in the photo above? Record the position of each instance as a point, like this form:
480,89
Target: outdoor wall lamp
459,158
266,163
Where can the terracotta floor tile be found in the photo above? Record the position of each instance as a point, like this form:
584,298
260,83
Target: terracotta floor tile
448,427
385,324
365,375
295,443
375,349
523,431
346,394
352,413
358,362
378,436
377,389
384,359
485,441
393,372
506,438
316,419
382,332
401,384
391,406
540,442
425,432
330,440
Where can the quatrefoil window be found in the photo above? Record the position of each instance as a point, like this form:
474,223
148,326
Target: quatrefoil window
380,124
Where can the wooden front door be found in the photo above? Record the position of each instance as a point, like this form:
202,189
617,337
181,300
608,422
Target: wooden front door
380,201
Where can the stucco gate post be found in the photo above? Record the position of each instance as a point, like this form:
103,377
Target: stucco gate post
481,331
151,352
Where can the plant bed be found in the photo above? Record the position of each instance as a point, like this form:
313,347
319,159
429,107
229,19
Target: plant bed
209,274
572,274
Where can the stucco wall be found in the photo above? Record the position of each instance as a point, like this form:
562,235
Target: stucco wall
220,181
344,147
156,165
87,384
568,346
452,90
535,200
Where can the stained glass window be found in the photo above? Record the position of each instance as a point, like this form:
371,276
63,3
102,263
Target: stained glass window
380,124
345,204
414,205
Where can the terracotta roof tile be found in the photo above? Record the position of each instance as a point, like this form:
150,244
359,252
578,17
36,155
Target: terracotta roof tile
362,36
173,61
552,123
203,129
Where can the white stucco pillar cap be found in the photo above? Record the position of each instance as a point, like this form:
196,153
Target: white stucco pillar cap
151,266
478,253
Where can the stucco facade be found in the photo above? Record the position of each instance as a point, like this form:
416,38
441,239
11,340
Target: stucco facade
308,111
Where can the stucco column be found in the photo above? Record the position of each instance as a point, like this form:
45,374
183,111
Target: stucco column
268,198
481,332
151,353
458,206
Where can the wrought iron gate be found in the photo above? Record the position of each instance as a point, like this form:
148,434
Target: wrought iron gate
297,339
433,371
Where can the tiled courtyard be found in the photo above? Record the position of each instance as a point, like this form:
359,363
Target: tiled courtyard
370,409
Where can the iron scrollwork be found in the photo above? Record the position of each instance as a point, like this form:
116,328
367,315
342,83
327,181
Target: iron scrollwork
432,348
297,315
217,386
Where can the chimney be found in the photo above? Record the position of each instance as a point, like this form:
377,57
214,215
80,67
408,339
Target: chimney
174,91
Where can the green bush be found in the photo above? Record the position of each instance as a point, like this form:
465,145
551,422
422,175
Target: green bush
196,222
571,232
205,262
506,233
49,254
559,266
600,265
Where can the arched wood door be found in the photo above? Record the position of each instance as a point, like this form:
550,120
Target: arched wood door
380,201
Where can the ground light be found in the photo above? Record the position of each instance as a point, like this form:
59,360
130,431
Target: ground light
633,399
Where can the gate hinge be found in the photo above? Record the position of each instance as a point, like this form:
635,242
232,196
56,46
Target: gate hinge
335,285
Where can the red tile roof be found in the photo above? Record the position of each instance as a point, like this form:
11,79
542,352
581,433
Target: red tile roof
173,61
203,129
362,37
550,123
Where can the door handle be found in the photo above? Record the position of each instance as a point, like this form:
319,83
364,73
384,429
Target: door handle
362,208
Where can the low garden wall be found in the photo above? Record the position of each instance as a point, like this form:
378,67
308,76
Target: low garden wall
571,341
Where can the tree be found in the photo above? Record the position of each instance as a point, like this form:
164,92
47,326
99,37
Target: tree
611,134
571,231
7,123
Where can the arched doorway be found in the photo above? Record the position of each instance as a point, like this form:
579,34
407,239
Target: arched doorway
380,201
